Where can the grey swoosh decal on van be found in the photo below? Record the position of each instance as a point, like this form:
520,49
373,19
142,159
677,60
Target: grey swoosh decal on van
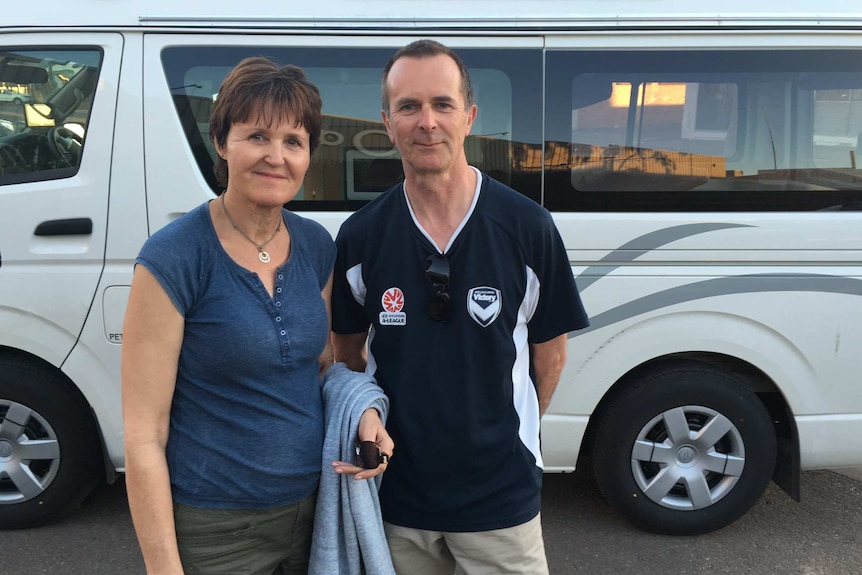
725,286
632,250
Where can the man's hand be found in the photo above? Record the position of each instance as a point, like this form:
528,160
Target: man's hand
370,429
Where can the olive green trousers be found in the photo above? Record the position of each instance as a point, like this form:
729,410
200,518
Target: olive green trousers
245,541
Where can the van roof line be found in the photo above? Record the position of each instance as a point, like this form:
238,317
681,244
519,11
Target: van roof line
515,23
513,16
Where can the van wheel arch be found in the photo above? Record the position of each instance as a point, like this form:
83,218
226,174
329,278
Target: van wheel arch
49,443
640,411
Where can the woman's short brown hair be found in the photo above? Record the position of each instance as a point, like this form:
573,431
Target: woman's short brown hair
261,90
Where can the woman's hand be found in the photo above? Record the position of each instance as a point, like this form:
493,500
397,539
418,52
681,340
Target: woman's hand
370,429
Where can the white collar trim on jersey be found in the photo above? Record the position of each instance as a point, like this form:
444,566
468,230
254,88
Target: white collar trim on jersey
463,222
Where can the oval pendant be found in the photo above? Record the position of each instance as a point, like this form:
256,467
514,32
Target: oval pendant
263,256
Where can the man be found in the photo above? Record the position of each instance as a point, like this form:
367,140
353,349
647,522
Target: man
469,296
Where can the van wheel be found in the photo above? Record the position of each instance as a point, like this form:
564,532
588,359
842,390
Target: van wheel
685,449
49,450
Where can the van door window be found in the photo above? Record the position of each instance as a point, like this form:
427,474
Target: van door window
356,161
45,102
703,131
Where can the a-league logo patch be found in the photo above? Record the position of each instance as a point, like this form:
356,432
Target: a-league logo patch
393,302
483,304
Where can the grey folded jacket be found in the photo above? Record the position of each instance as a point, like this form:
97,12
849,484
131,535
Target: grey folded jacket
348,529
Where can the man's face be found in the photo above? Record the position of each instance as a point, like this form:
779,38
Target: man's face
427,119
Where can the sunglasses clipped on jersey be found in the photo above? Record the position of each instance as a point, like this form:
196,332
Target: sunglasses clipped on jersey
437,272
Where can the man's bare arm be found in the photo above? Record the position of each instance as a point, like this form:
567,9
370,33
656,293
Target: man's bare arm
350,349
548,360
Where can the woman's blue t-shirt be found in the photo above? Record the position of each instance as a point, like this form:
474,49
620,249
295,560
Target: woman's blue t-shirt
246,426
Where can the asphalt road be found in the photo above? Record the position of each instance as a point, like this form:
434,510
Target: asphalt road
822,535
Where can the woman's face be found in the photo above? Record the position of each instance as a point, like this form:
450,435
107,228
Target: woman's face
266,164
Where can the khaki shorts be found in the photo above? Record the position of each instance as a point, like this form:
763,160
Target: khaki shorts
518,550
245,541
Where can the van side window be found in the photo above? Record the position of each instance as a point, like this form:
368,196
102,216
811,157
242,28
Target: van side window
356,161
45,101
704,131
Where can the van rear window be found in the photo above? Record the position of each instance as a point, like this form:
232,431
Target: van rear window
704,130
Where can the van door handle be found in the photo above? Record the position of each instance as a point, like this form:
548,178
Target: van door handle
68,227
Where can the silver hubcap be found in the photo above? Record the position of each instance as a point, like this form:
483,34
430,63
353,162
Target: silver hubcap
688,458
5,449
29,453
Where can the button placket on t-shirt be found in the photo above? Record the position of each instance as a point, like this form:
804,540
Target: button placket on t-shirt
278,318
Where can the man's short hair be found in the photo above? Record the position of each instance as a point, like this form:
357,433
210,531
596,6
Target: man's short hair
427,49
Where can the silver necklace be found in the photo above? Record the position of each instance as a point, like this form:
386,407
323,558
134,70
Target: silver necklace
262,254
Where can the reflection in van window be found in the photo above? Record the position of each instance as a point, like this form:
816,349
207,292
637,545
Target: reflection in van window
45,103
734,130
356,160
837,118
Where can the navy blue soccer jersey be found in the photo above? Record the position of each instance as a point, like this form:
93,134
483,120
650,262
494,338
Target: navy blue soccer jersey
464,411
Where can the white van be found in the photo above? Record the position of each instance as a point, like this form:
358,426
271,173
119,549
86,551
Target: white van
701,164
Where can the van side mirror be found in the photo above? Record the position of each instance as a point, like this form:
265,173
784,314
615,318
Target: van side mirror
38,115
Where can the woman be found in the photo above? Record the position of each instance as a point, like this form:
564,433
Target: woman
226,334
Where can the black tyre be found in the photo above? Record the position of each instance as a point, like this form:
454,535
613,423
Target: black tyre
685,449
49,449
